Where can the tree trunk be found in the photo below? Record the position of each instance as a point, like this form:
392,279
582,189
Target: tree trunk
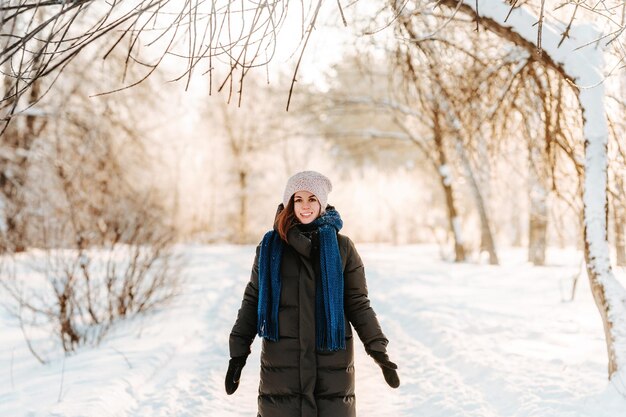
243,207
486,237
620,243
446,184
453,217
537,229
608,294
16,141
538,210
619,220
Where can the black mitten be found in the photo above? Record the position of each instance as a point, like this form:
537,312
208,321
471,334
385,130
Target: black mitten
235,365
388,367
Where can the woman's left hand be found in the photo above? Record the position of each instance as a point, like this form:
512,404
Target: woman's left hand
388,368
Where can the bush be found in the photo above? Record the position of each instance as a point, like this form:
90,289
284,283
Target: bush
78,294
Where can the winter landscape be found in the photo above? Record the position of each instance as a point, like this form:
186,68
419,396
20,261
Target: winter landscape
477,155
469,340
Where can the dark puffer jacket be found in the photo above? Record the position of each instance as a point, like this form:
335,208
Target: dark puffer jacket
296,379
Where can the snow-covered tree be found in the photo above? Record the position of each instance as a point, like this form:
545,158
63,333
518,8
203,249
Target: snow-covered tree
578,54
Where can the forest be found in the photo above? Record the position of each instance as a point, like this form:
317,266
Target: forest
145,146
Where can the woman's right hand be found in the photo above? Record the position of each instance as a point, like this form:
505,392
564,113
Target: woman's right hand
235,365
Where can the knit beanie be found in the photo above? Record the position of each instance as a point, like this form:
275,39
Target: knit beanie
310,181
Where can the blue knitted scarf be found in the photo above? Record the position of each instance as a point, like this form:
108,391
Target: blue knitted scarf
329,314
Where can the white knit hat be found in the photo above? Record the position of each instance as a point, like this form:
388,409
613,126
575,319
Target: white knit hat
310,181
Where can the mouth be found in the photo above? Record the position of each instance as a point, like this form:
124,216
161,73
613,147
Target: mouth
306,214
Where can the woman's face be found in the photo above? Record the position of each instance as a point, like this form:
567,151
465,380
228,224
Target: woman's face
306,206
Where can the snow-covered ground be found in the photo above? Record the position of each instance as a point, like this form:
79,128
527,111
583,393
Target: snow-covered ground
469,340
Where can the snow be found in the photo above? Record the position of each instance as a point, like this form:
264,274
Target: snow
469,340
445,172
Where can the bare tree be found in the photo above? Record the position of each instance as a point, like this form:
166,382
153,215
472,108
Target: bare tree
421,87
540,130
85,291
251,131
371,113
121,262
103,230
41,38
453,94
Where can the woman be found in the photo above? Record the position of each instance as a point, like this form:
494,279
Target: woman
307,287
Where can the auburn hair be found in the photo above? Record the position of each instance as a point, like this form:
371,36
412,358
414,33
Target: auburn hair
285,220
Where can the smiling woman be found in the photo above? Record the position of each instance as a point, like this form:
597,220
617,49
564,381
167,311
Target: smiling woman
306,290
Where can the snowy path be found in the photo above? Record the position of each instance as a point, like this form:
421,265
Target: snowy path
483,342
470,340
